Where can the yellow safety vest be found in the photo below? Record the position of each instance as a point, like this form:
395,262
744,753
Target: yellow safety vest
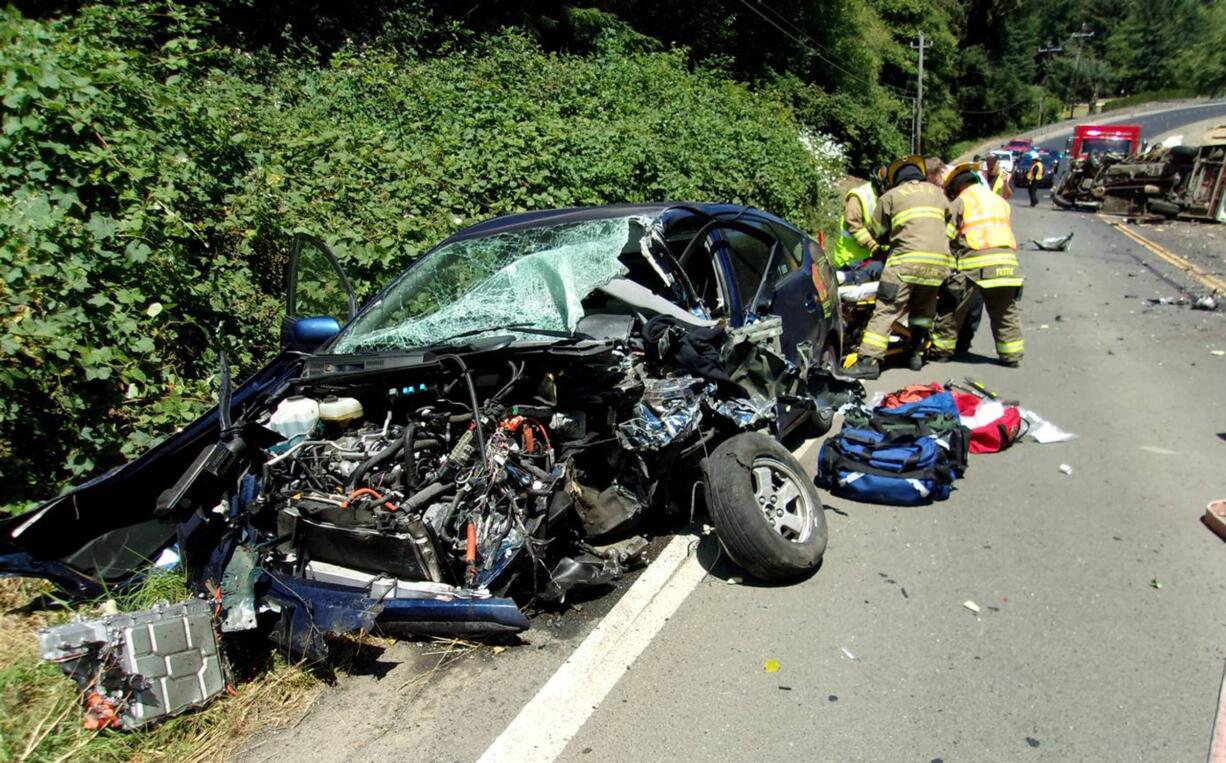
998,185
986,220
850,249
988,232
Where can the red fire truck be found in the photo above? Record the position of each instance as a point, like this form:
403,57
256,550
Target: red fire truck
1104,139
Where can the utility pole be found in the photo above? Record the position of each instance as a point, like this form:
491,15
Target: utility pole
918,136
1051,48
1080,37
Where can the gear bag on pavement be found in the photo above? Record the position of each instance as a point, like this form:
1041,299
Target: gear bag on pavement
893,469
903,456
994,426
935,415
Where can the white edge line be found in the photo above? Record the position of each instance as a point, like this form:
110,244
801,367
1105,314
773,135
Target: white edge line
544,726
1217,743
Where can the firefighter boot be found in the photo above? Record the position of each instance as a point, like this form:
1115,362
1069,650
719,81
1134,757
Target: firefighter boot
864,368
919,337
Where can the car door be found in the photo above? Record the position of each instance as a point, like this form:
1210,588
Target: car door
771,275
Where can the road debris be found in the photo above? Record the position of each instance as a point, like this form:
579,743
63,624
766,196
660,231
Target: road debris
1218,353
1053,244
1043,431
847,653
1155,584
1215,517
1066,469
1207,302
142,666
972,606
770,666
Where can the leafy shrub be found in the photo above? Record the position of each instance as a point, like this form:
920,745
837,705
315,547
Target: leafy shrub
112,184
150,182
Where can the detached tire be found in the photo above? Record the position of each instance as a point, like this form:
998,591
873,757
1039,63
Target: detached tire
766,511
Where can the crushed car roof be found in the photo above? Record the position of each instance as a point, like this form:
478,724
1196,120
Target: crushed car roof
537,218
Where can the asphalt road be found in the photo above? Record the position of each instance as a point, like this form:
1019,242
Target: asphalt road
1152,125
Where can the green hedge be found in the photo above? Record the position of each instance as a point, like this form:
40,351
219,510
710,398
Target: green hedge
150,182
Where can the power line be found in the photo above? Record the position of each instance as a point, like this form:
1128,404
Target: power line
808,42
814,44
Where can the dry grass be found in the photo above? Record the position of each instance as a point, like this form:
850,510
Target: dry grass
40,710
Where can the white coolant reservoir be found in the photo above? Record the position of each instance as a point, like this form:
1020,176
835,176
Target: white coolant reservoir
295,417
340,410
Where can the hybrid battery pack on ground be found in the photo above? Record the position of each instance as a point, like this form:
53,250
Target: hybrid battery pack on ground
139,667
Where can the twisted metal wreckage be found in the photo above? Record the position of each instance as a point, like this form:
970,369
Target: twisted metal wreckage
509,419
1187,182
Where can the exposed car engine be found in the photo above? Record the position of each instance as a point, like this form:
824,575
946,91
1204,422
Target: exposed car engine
434,488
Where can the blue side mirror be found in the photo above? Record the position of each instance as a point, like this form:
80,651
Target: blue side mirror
308,333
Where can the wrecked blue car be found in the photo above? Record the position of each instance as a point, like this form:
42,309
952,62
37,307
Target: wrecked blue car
505,424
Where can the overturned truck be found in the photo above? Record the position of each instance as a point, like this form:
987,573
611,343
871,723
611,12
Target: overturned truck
506,423
1177,181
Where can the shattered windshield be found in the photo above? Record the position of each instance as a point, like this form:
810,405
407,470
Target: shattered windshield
521,283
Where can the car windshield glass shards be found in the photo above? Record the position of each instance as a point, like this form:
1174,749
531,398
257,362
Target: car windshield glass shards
519,282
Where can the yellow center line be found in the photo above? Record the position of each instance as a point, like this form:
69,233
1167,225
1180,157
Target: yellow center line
1205,278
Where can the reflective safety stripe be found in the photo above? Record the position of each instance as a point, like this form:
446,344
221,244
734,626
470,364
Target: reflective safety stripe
985,220
863,236
990,260
916,213
998,185
938,259
924,323
920,280
991,283
875,340
951,231
1009,348
944,343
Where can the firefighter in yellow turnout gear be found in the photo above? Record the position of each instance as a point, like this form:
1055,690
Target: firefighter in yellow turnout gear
912,216
981,232
858,233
